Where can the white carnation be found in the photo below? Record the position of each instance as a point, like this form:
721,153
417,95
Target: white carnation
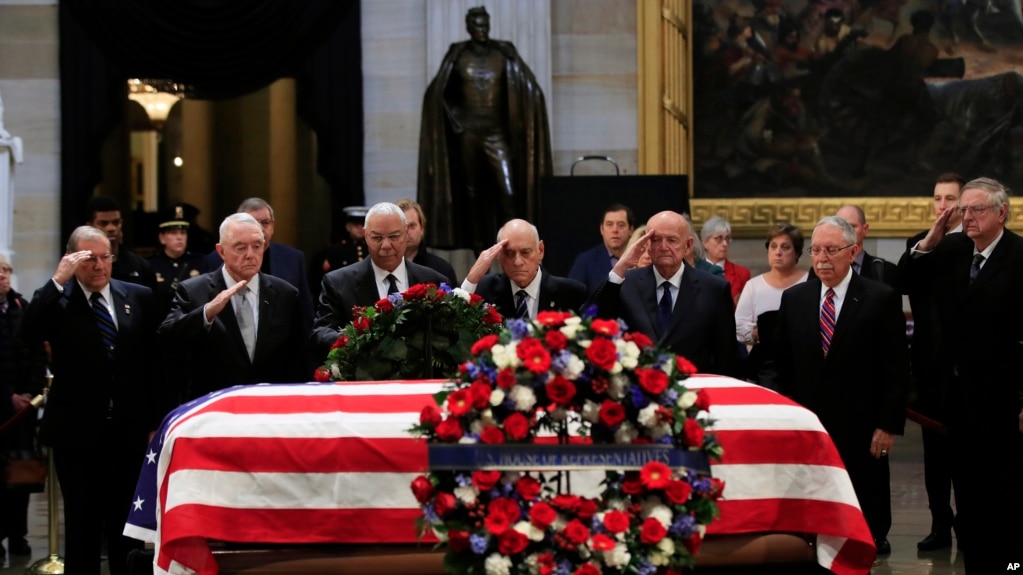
569,331
585,343
686,400
497,396
631,349
467,439
648,415
668,366
658,559
629,362
476,426
617,557
523,397
497,564
591,411
618,386
574,320
616,368
487,417
461,293
666,546
654,508
531,531
574,368
626,433
660,431
499,354
467,494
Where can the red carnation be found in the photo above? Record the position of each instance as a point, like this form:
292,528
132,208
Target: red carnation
693,543
430,415
684,365
422,488
505,507
587,569
692,433
602,353
506,378
450,430
484,344
361,324
516,426
566,502
653,381
533,355
616,521
492,317
555,340
491,435
702,400
496,523
458,540
632,484
576,532
528,488
587,509
417,291
717,487
485,480
652,531
552,318
641,340
475,298
655,475
602,542
511,542
542,515
611,413
480,393
678,492
384,305
444,503
321,374
341,341
560,390
460,402
608,327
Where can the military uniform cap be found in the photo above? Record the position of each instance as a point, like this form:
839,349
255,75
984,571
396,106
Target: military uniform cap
356,214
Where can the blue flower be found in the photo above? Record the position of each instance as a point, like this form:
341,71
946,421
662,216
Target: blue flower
702,485
644,567
430,514
519,328
463,480
478,543
683,526
669,397
639,398
590,311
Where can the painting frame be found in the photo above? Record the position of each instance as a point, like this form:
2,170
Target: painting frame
665,128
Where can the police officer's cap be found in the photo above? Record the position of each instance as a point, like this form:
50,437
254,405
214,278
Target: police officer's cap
174,219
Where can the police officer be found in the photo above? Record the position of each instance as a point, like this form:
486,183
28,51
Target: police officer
174,263
348,250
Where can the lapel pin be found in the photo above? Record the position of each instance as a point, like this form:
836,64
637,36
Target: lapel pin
127,309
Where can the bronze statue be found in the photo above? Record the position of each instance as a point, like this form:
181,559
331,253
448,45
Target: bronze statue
484,142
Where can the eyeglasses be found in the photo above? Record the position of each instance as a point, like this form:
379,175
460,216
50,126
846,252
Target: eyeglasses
6,270
973,210
105,258
379,239
830,250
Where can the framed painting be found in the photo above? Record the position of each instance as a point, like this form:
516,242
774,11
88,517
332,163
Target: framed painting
791,108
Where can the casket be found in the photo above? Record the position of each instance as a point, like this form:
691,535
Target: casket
315,478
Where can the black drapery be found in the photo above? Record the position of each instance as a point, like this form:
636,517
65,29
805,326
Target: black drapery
221,49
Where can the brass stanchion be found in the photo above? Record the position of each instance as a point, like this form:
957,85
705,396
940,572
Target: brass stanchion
54,563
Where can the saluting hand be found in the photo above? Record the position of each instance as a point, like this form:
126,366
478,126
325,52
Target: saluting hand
68,264
937,231
632,254
217,304
484,261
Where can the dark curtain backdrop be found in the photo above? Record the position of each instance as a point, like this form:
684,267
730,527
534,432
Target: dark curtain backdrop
222,49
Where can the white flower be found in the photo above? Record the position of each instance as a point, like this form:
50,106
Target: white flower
618,504
666,546
476,426
533,563
616,368
467,439
574,367
618,386
631,349
591,411
653,507
504,356
559,414
585,343
648,415
570,330
574,320
629,362
461,293
658,559
668,366
531,531
335,371
523,397
487,417
497,564
626,433
467,494
686,400
617,557
660,431
497,396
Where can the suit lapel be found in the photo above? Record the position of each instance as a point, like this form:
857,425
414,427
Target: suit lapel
545,299
366,288
504,300
227,316
687,290
264,329
993,266
849,315
647,288
123,309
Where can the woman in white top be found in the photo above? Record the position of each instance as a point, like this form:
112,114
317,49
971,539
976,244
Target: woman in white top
762,295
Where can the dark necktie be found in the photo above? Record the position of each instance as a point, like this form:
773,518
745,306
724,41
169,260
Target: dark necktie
827,320
521,304
664,306
3,306
856,267
392,286
975,268
107,329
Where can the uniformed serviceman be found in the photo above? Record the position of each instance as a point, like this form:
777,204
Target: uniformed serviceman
174,263
351,248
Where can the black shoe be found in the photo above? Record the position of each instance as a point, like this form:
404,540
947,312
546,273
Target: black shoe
883,547
18,546
935,540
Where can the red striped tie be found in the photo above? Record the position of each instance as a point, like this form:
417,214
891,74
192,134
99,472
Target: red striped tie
827,320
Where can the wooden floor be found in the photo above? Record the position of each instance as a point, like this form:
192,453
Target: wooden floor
911,522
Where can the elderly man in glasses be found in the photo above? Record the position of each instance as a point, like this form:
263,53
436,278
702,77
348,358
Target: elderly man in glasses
841,352
977,278
102,405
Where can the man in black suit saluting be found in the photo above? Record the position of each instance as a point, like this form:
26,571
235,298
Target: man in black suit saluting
237,325
842,353
101,407
524,288
977,279
366,282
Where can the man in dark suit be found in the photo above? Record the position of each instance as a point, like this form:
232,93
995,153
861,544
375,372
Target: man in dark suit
237,325
977,278
841,351
366,282
104,213
524,288
415,250
868,266
683,308
279,260
101,407
591,267
927,395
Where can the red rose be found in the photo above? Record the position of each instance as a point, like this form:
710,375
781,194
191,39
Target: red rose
566,502
361,324
552,318
632,484
560,390
693,543
678,492
692,433
417,291
587,509
492,435
655,475
321,374
505,507
511,542
492,317
444,503
459,402
602,353
430,415
496,523
684,365
458,540
641,340
480,391
439,295
608,327
506,378
422,488
485,480
533,355
653,381
616,521
475,298
341,341
516,426
702,400
611,413
652,531
717,487
450,430
587,569
484,344
384,305
555,340
542,515
576,532
602,542
528,488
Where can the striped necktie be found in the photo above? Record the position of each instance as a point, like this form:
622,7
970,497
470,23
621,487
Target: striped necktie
107,329
827,320
522,304
975,267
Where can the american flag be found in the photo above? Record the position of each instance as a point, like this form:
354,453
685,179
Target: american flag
332,463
